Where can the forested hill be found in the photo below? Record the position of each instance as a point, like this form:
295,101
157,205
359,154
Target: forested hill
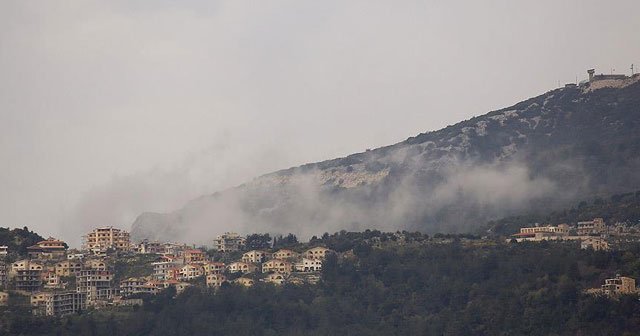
543,153
619,208
18,239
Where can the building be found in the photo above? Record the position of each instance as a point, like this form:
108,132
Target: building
50,248
102,239
191,271
229,242
247,282
255,256
618,286
51,280
285,254
317,253
68,268
96,264
216,280
75,256
309,265
161,267
58,303
276,278
596,244
240,266
593,227
96,284
4,250
213,268
277,265
562,229
132,286
4,298
194,256
27,275
150,247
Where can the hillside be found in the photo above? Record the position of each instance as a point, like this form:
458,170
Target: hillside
544,153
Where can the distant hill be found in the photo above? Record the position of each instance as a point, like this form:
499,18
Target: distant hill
544,153
620,208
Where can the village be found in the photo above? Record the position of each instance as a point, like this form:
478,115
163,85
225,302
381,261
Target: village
60,281
110,270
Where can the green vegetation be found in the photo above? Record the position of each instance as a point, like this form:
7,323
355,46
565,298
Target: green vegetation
133,266
18,240
620,208
439,286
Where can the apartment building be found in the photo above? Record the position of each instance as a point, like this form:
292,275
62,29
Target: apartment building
194,256
215,280
285,254
317,253
277,265
102,239
96,284
309,265
592,227
594,243
619,285
50,248
240,266
255,256
68,268
229,242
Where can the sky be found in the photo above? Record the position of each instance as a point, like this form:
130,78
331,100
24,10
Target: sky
112,108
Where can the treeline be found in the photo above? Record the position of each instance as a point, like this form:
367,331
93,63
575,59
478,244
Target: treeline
622,208
18,239
402,289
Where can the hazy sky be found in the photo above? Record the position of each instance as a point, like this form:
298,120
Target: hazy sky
111,108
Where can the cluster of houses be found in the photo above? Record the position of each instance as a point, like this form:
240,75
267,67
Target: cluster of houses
60,282
593,234
615,287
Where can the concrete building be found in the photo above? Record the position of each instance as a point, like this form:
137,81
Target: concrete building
4,251
229,242
194,256
102,239
68,268
317,253
216,280
27,275
132,286
276,278
309,265
191,271
240,266
592,227
247,282
4,298
51,280
96,284
58,303
277,265
96,264
162,267
50,248
285,254
619,285
150,247
562,229
594,243
255,256
213,267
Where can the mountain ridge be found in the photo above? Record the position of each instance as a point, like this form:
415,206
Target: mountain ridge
439,180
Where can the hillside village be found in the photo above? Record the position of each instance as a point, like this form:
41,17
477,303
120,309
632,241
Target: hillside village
110,270
60,281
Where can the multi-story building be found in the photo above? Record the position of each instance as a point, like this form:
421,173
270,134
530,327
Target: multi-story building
4,298
68,268
147,246
619,285
102,239
595,226
309,265
213,267
51,280
161,267
50,248
317,253
239,266
255,256
96,284
132,286
216,280
277,265
562,229
4,251
229,242
194,256
27,275
285,254
191,271
58,303
96,264
594,243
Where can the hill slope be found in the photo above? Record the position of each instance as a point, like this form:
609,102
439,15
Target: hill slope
543,153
